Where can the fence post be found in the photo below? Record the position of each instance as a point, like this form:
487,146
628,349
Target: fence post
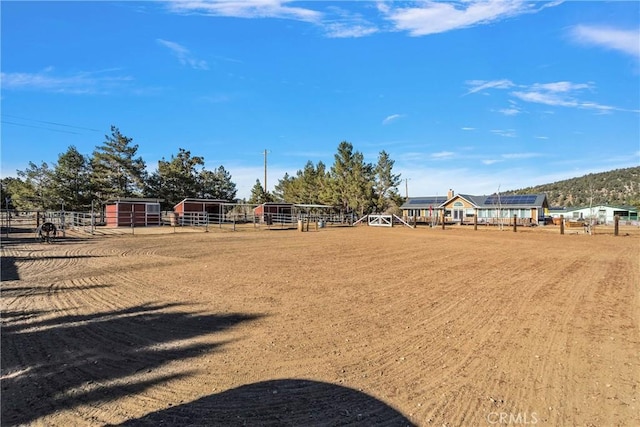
616,225
561,224
64,228
475,222
515,225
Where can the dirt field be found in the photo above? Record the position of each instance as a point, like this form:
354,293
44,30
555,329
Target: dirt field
361,326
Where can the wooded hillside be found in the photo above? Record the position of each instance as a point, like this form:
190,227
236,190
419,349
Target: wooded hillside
616,187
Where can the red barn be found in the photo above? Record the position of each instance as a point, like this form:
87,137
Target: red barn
197,211
271,212
132,211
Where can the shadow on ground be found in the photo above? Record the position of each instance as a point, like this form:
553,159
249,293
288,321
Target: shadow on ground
10,263
58,363
286,402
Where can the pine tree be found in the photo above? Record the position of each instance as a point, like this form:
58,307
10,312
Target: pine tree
351,180
386,183
284,190
217,185
38,191
116,172
308,186
176,179
71,180
16,194
258,195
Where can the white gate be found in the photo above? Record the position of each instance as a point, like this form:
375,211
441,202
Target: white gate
381,220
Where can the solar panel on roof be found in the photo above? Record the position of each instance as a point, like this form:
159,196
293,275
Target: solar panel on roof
426,201
518,199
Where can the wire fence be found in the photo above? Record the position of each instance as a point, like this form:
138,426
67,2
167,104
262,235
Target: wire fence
105,223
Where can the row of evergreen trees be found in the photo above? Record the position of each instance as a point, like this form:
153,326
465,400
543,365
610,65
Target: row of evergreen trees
350,184
114,170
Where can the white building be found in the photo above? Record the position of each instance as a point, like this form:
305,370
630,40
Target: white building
602,214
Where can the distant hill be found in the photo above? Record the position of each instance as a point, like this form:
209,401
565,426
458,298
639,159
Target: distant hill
617,187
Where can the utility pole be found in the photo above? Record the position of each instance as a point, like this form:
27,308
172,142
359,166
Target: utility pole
265,170
406,188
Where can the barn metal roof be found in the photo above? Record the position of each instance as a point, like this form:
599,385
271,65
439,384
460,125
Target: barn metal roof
191,199
135,200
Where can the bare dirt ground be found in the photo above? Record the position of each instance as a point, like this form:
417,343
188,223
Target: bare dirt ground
340,326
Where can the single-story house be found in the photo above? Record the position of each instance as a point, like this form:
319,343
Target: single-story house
423,209
199,211
137,212
601,214
529,209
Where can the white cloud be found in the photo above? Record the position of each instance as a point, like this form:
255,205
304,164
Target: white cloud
558,94
432,17
391,118
507,133
79,83
341,23
553,99
442,155
510,111
625,41
561,86
428,17
544,98
335,22
345,30
480,85
468,128
184,55
246,9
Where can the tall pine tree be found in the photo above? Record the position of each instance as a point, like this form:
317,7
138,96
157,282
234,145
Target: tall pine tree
116,171
351,180
258,195
176,178
71,180
217,185
386,183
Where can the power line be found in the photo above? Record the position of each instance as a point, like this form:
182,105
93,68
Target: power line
50,123
40,127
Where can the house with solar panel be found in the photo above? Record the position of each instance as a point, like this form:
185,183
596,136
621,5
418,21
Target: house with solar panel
529,209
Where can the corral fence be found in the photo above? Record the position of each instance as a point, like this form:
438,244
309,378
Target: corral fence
21,221
233,219
99,222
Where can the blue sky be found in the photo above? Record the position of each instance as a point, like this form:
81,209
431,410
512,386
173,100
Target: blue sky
472,96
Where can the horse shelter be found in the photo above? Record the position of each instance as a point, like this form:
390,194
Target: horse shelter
191,211
132,212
